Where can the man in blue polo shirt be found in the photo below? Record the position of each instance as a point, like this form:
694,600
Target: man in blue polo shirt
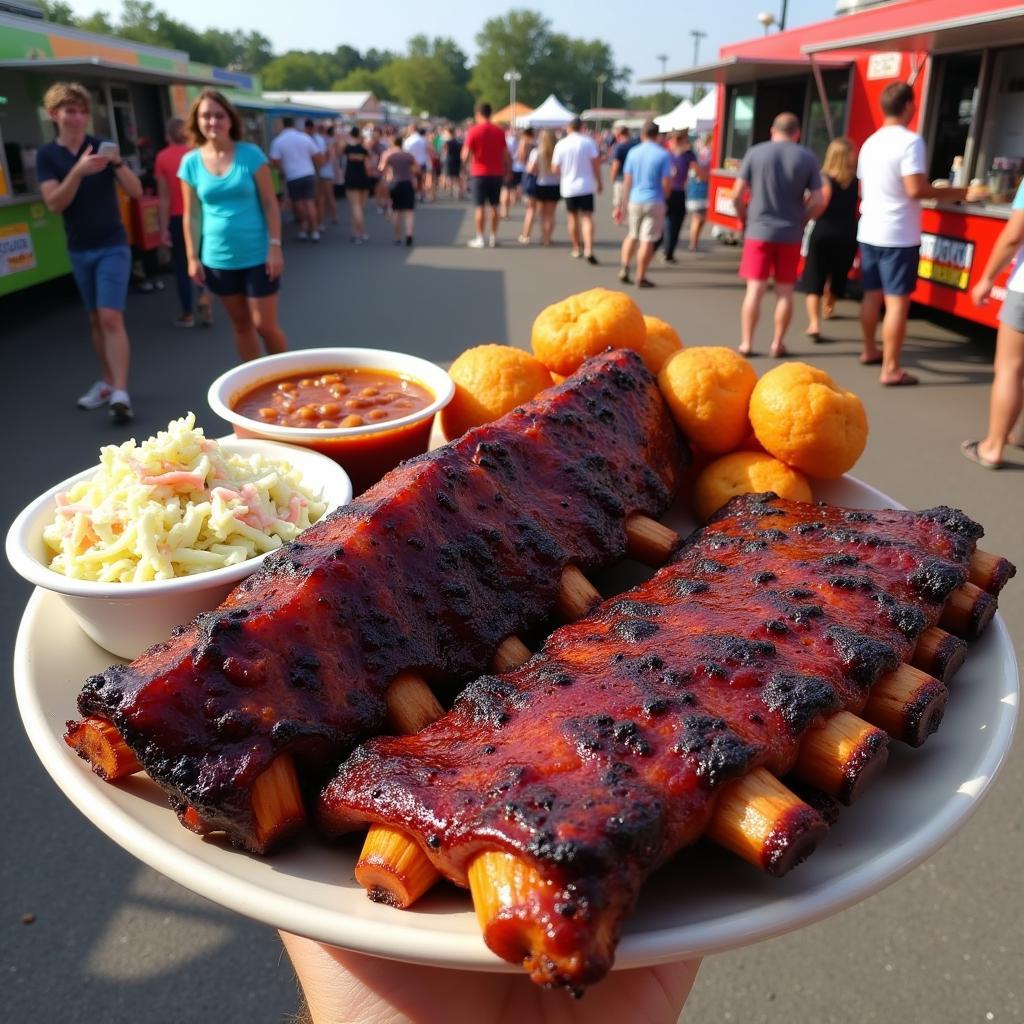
78,175
646,181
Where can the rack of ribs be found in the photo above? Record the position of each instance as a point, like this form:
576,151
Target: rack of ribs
670,713
430,575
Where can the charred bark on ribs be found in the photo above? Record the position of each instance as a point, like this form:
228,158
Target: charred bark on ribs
604,755
427,571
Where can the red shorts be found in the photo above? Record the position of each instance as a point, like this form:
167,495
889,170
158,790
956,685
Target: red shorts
764,260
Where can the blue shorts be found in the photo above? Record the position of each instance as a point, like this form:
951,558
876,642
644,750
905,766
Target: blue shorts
102,276
249,281
889,269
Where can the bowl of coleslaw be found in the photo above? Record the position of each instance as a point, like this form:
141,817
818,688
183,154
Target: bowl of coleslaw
163,530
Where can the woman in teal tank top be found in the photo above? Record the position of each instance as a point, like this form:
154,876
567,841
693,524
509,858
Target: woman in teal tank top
229,198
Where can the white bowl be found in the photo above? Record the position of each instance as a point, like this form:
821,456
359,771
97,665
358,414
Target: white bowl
127,618
368,451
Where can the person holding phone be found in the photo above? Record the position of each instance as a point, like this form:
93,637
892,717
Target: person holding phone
78,177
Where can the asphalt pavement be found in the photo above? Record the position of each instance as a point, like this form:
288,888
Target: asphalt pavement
88,934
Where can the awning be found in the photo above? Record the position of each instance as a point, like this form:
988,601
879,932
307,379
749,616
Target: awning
964,32
738,70
279,109
91,67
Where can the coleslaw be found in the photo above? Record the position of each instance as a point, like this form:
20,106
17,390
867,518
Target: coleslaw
175,505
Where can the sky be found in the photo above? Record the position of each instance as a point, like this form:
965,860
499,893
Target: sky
659,27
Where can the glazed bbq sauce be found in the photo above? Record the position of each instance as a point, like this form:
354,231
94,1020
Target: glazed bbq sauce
327,399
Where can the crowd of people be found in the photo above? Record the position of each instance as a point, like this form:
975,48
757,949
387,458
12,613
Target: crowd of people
221,218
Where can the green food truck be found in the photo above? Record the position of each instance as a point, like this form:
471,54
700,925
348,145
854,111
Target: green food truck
134,89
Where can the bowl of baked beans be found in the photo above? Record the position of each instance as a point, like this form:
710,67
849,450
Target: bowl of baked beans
368,409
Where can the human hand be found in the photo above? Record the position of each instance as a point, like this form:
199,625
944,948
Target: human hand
90,163
981,291
341,986
195,271
165,238
275,261
617,215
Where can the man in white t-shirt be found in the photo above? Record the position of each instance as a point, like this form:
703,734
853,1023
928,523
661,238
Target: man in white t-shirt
416,145
297,157
893,180
578,163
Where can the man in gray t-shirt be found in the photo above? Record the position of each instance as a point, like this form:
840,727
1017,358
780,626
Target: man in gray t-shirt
785,192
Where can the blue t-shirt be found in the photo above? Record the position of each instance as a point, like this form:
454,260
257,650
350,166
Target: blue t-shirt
648,164
92,220
234,229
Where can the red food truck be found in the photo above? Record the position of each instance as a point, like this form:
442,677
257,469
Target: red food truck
966,65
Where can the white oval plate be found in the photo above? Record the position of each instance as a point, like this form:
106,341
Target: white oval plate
703,902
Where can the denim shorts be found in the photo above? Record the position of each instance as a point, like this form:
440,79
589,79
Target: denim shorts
1012,311
890,269
102,276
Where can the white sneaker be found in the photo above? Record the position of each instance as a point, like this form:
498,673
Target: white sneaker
302,236
315,236
120,406
492,242
96,397
476,243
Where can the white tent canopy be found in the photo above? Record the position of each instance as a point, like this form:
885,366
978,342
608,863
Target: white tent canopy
678,119
705,111
550,114
691,117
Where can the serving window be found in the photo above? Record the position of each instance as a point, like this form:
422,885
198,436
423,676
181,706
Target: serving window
739,126
25,126
977,120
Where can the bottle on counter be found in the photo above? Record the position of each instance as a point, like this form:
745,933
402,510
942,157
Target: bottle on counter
956,172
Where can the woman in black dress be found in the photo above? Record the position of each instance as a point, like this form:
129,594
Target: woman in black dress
357,183
833,242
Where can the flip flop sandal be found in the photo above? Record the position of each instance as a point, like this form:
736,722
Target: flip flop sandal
814,336
904,380
780,353
969,450
874,361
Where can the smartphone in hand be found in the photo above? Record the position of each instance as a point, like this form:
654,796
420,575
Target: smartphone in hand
108,149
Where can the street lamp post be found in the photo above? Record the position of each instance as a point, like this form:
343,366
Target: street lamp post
601,79
697,37
663,57
512,76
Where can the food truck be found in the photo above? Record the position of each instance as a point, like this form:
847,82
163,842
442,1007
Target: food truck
134,88
966,66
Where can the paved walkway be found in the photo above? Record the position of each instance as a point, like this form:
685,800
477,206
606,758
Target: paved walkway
114,941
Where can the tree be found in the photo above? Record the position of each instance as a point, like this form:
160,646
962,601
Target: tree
446,75
58,13
549,62
364,80
375,59
299,70
659,101
424,83
345,59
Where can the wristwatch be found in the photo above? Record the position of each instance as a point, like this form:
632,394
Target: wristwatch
118,165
